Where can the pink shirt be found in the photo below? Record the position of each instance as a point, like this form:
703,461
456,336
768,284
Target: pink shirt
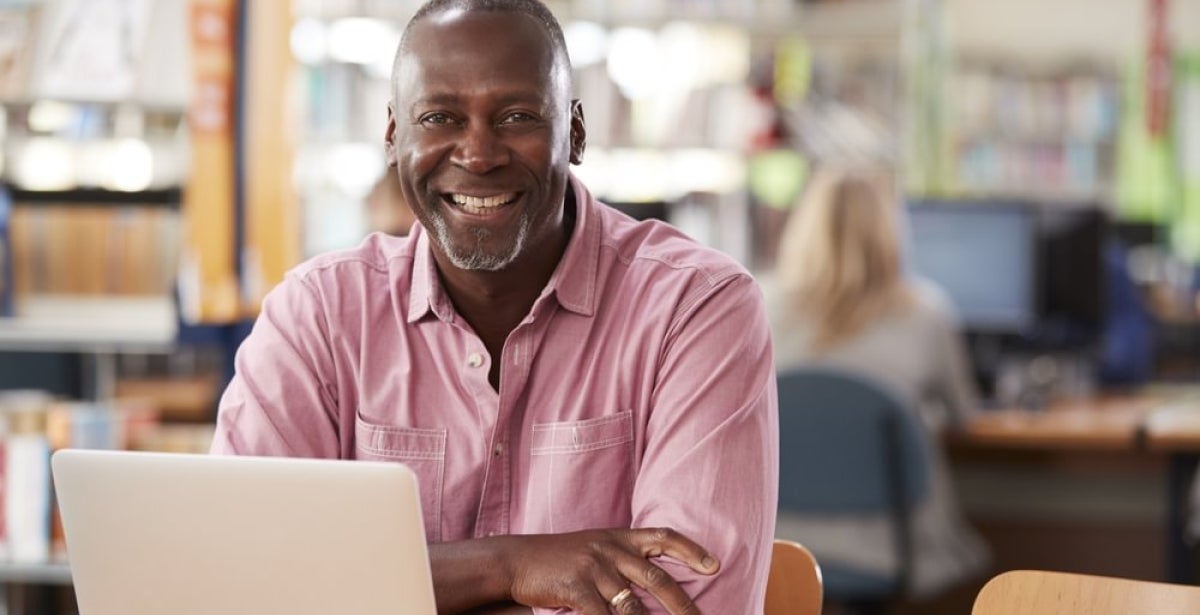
638,392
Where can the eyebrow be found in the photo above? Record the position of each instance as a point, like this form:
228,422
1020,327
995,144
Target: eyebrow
447,98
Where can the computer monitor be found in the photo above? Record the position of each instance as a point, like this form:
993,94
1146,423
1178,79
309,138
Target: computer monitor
1070,242
983,255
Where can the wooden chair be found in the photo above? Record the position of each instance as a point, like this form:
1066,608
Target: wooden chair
1031,592
794,583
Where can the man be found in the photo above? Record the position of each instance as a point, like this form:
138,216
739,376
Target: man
565,382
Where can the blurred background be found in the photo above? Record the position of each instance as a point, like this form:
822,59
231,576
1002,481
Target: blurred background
164,162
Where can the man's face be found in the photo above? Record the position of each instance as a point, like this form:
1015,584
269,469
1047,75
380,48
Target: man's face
482,134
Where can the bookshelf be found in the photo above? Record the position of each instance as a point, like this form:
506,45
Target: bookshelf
1029,104
50,573
98,324
1018,132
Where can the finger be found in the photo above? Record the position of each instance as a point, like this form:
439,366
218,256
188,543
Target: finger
653,542
619,596
593,603
629,605
660,584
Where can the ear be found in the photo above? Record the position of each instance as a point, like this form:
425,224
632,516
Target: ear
578,132
389,137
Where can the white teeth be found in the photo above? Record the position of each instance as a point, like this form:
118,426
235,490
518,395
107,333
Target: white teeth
480,203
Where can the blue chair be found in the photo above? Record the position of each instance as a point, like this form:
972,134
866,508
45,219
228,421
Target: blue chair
847,446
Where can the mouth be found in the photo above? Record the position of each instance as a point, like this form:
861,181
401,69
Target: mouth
480,205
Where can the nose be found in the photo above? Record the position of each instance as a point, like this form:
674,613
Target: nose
480,149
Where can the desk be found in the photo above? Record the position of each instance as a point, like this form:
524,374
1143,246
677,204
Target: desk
1105,423
1174,429
1156,421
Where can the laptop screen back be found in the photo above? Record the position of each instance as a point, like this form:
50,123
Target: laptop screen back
154,533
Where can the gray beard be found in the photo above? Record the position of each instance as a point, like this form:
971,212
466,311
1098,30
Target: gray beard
474,258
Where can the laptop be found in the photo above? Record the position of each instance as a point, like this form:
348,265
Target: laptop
184,534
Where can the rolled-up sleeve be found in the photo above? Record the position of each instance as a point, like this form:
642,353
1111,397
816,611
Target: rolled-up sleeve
281,400
711,464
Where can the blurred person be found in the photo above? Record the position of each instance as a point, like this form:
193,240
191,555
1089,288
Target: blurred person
387,211
588,402
844,302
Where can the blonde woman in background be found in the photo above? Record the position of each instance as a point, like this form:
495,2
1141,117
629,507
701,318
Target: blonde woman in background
844,301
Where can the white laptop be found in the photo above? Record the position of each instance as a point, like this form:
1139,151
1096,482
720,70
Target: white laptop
176,534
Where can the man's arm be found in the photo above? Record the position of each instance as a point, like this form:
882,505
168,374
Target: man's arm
580,571
711,463
281,400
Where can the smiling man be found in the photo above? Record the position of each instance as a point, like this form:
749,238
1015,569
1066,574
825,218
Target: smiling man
588,401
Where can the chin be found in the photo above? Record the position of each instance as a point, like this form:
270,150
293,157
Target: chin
476,258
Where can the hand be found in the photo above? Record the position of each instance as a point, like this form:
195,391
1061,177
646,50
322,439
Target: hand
584,570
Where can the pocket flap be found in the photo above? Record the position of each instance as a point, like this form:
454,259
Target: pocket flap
400,442
582,436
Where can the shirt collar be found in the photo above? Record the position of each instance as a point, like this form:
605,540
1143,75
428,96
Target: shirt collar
574,280
573,283
425,293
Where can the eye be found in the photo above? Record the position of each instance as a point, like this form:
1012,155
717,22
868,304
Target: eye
436,119
518,117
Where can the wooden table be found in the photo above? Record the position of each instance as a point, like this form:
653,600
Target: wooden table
1173,429
1155,420
1105,423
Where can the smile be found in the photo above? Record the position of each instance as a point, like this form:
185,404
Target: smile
481,204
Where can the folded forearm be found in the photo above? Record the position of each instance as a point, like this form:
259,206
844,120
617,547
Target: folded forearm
469,574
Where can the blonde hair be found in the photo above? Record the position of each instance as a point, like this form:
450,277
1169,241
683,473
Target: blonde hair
839,259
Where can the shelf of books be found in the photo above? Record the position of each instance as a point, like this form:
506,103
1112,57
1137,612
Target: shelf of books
1019,102
48,573
34,424
119,220
144,98
101,323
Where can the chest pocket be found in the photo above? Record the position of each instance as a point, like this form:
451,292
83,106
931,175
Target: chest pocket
422,450
584,471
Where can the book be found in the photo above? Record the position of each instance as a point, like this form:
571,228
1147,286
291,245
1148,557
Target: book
93,250
26,477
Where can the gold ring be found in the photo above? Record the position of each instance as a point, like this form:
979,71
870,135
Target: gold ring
622,596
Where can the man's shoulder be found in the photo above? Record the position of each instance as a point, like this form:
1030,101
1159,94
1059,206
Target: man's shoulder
659,251
375,254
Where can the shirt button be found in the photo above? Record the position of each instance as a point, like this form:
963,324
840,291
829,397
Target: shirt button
474,360
498,450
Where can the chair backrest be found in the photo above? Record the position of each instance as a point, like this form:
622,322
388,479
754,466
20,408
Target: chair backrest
847,446
794,583
845,443
1022,592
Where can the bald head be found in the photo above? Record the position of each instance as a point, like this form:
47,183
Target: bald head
534,9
